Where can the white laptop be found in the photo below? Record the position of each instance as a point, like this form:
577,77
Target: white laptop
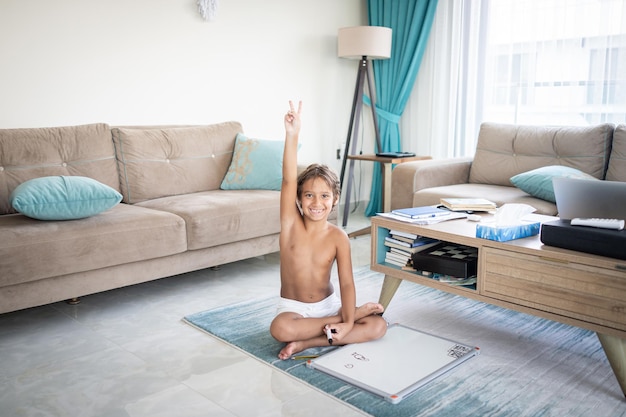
590,198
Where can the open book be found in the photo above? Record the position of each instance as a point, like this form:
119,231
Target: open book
468,204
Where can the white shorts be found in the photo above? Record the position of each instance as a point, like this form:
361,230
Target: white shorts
329,306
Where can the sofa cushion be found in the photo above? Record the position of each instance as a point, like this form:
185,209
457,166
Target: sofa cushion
499,194
165,161
538,182
504,150
257,164
617,162
25,154
31,250
63,198
223,216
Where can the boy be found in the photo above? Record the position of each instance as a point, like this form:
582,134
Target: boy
310,313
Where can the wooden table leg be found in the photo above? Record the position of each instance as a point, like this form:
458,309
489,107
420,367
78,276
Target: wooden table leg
615,350
390,285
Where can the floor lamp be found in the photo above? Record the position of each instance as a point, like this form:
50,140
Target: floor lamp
363,43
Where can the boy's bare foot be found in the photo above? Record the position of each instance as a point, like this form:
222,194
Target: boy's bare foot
289,349
368,309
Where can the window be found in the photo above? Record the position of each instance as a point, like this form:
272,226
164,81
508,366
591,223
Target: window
558,62
551,61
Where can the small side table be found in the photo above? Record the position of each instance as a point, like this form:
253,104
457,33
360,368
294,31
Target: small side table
387,165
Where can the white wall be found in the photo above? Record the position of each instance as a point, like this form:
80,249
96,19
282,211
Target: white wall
66,62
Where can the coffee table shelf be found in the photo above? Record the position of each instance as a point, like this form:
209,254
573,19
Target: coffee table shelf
381,266
575,288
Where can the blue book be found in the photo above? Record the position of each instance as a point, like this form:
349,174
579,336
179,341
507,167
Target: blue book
424,212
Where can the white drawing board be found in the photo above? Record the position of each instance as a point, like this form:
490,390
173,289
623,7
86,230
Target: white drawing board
397,364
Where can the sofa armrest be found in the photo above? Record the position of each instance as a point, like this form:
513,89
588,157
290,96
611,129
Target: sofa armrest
409,177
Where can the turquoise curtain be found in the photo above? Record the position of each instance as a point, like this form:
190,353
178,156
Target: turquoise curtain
410,22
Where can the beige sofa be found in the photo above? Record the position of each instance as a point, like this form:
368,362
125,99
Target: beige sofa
173,218
504,151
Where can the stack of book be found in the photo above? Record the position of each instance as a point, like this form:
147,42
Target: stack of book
402,245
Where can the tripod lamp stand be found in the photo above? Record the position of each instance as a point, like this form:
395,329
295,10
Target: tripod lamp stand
363,43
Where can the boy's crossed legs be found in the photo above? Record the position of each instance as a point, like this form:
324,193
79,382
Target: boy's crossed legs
301,332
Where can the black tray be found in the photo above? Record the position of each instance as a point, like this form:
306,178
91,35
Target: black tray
603,242
448,259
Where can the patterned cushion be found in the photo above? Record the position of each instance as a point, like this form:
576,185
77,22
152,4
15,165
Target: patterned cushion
257,164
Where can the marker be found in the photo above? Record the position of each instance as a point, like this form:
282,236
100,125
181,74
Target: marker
329,334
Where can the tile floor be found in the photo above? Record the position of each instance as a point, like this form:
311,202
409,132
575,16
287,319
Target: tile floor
126,352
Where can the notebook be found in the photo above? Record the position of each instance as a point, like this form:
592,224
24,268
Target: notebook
589,198
423,212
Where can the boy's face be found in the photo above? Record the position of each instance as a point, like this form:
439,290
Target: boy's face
317,199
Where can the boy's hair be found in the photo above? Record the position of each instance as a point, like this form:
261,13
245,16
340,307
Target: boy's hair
323,172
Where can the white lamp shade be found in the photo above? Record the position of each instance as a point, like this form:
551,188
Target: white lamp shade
373,42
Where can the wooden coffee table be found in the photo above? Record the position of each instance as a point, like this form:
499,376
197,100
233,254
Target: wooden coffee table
575,288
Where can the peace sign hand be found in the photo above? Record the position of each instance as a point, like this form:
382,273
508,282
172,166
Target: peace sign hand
292,119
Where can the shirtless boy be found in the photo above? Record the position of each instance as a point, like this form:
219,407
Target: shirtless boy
309,245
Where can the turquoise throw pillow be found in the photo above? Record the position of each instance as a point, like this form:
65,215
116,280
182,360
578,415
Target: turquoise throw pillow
63,198
538,182
256,165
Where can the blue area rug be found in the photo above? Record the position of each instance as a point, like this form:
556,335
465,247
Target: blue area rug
527,367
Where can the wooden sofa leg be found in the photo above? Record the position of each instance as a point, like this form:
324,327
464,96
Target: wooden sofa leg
73,301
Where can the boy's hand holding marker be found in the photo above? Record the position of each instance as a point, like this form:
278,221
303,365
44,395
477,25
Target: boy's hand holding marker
329,333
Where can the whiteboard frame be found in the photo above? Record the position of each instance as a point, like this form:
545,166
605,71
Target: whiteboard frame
394,366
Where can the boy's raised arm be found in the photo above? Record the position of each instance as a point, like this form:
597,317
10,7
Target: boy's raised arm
288,194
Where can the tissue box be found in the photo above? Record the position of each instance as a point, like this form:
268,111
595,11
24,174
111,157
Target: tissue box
504,233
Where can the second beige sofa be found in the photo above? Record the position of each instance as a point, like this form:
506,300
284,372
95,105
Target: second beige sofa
504,151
